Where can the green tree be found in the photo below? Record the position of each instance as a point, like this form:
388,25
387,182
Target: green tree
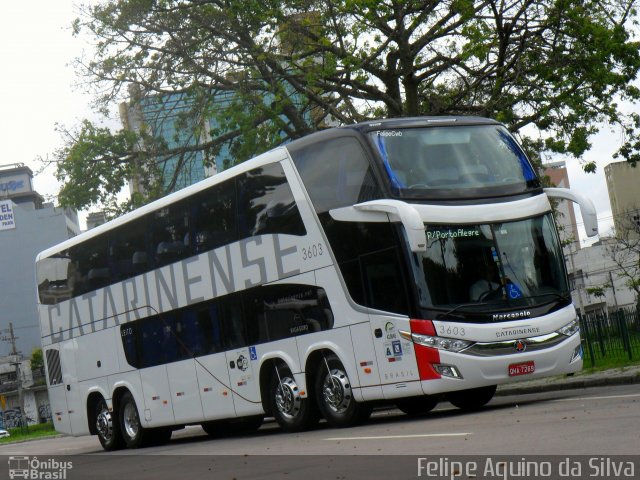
553,69
37,362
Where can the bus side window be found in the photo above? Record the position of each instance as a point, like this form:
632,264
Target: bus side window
336,173
209,329
266,204
150,342
384,282
170,226
128,250
233,318
213,222
291,310
92,262
129,335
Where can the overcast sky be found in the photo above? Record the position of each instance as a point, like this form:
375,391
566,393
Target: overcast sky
36,92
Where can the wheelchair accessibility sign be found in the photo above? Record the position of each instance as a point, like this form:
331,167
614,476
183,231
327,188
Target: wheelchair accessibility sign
513,291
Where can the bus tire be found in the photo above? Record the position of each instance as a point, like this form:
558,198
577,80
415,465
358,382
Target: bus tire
108,428
471,399
335,398
292,412
419,405
133,433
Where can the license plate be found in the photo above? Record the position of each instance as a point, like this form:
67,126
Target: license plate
525,368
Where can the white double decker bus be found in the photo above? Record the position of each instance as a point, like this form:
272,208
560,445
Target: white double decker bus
398,261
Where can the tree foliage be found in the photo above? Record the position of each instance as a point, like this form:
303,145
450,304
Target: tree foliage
552,70
37,361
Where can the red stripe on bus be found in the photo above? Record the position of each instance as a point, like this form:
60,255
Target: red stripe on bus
426,357
423,327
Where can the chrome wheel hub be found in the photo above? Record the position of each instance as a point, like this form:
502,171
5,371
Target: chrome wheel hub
336,391
104,424
131,420
288,400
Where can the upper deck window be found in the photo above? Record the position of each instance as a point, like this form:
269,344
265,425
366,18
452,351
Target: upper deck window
336,173
467,161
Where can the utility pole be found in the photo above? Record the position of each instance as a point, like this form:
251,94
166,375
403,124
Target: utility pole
16,363
613,288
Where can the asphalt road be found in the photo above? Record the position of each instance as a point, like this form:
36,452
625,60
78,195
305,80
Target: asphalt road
593,422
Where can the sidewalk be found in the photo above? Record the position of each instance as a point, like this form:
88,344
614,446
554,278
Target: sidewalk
615,376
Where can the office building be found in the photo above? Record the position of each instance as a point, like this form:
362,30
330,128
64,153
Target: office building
623,184
27,226
565,214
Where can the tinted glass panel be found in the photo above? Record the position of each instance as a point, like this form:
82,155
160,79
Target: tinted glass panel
129,249
441,162
169,229
336,173
91,260
214,217
210,219
55,278
258,315
482,269
288,310
370,262
266,204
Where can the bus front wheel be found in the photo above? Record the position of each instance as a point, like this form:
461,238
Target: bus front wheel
292,412
133,432
108,428
472,399
335,397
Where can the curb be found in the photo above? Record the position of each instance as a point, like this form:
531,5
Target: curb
599,381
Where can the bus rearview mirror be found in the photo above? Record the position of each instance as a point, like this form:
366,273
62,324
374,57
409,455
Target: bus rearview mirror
587,208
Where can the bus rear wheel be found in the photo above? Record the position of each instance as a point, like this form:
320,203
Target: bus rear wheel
335,397
417,405
133,433
292,412
108,428
472,399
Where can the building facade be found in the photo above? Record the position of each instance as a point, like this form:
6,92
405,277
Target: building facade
166,119
623,181
24,385
27,226
595,281
565,214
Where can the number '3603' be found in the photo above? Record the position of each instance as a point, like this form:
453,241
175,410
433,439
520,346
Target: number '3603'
312,251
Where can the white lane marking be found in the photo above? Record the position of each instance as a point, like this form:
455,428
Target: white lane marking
393,437
577,399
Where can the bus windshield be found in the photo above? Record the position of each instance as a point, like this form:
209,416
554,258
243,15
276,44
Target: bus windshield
489,268
459,161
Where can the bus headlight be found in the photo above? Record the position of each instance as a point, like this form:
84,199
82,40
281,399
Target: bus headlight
441,343
570,329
